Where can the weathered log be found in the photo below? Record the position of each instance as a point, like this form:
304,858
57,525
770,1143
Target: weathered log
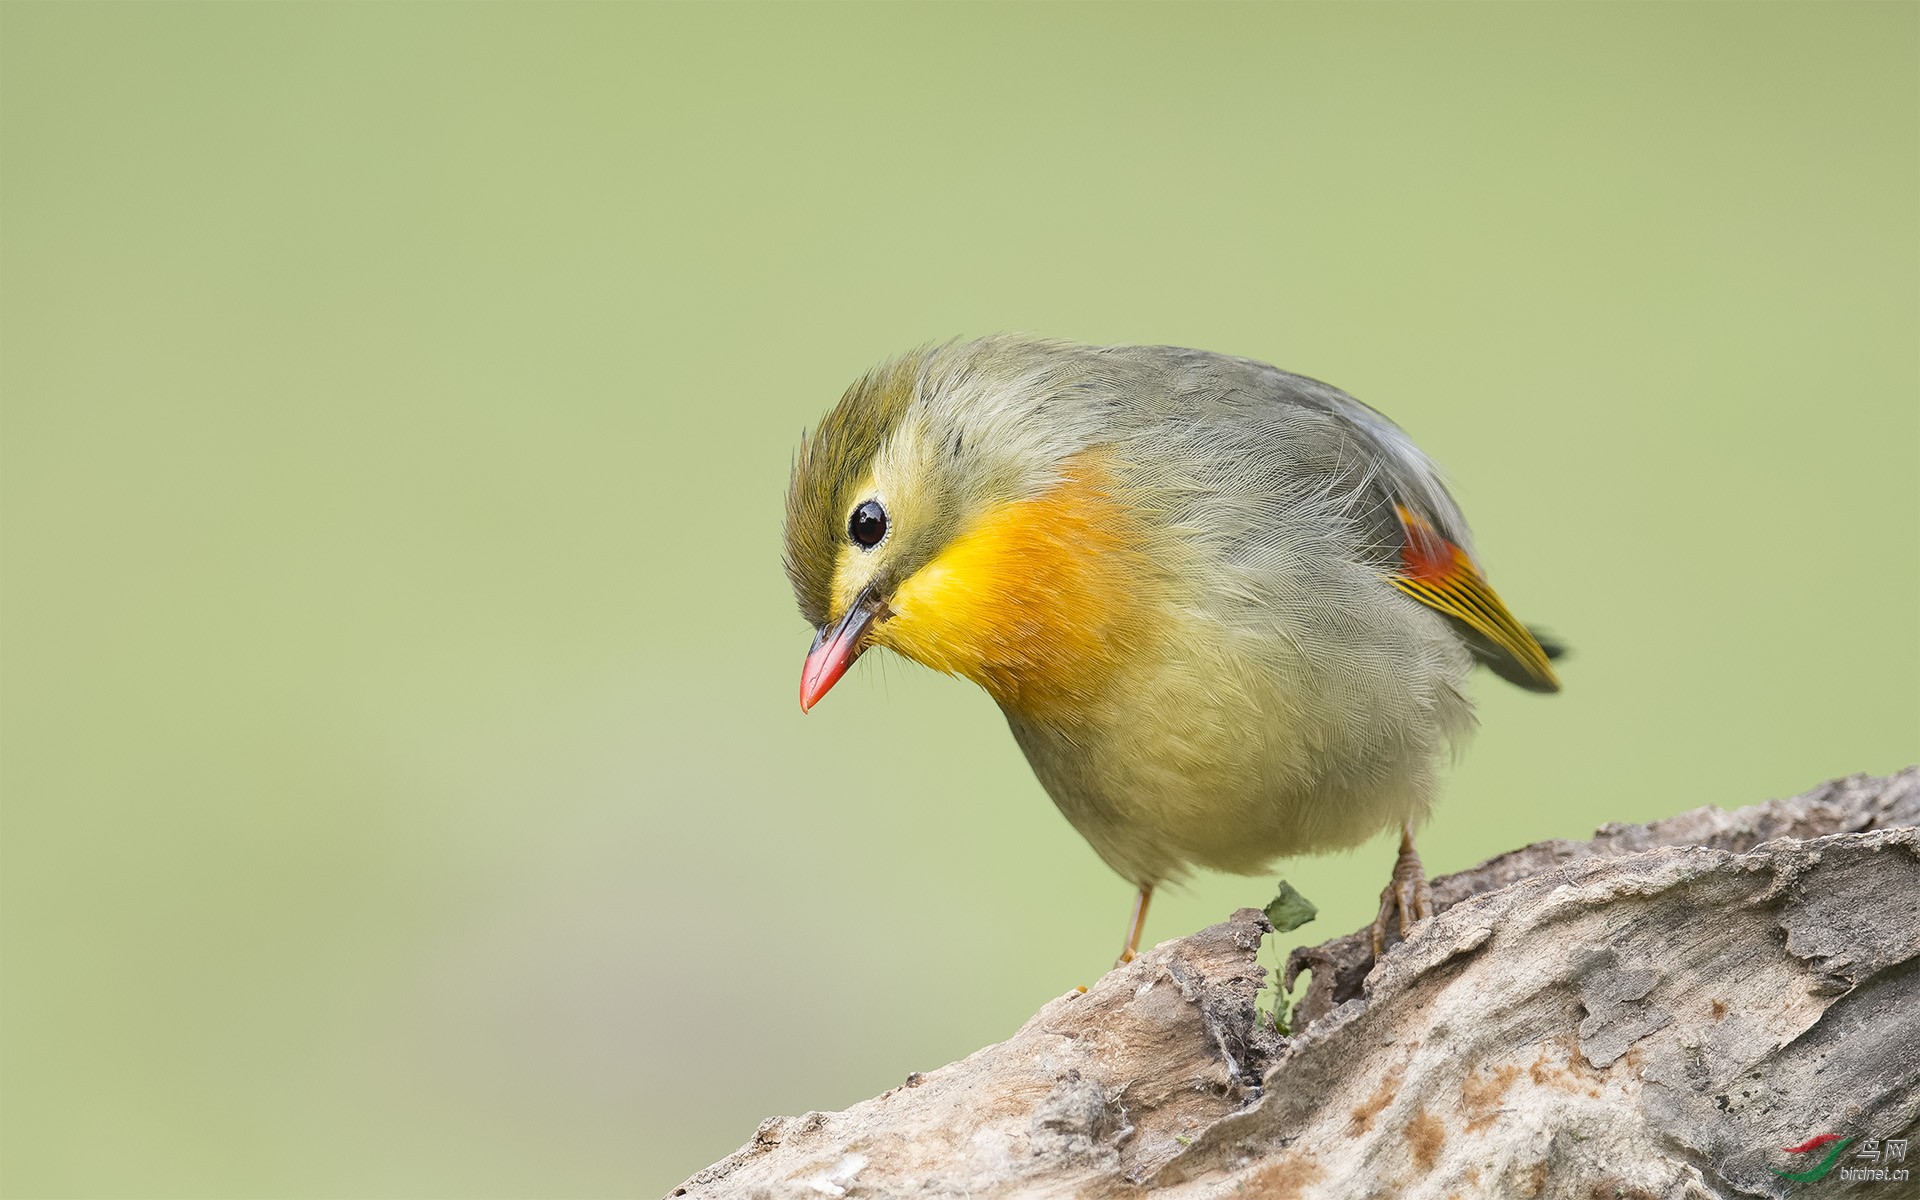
1659,1012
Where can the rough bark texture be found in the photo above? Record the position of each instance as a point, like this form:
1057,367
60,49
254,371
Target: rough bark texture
1658,1012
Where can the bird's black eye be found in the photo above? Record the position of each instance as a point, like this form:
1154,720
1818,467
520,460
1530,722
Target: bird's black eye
868,524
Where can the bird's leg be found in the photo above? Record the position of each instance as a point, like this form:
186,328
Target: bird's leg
1131,950
1406,896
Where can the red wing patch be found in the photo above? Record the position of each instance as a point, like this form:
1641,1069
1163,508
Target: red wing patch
1441,576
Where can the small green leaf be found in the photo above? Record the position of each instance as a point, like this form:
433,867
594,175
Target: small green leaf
1289,910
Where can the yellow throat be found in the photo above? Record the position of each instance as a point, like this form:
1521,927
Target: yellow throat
1039,602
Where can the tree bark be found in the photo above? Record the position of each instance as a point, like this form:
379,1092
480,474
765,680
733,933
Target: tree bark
1659,1012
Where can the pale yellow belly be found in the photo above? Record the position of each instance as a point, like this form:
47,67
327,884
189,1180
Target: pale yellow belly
1217,760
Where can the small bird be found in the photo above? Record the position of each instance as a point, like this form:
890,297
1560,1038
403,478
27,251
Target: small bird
1228,611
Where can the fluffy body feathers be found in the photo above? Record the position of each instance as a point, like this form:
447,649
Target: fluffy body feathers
1174,571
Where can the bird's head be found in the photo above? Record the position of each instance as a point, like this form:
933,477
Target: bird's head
953,507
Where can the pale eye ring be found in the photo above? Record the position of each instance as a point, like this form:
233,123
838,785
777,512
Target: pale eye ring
868,524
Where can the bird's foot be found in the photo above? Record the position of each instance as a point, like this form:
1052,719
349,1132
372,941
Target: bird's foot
1406,897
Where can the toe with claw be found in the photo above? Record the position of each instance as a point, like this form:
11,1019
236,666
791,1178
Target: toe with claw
1406,900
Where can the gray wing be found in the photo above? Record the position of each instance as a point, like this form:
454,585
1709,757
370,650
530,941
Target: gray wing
1255,430
1279,472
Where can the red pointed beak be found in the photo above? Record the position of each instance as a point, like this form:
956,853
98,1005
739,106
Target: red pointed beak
834,650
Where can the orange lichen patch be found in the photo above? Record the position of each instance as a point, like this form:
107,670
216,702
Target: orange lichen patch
1719,1009
1576,1069
1368,1109
1572,1075
1633,1058
1038,603
1425,1137
1540,1072
1285,1178
1480,1096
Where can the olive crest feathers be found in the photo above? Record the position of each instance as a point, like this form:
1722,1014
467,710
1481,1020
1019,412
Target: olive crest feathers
834,459
946,432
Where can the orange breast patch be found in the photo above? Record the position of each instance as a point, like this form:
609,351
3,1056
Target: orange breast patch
1038,603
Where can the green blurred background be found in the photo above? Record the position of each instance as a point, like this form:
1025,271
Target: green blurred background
404,788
